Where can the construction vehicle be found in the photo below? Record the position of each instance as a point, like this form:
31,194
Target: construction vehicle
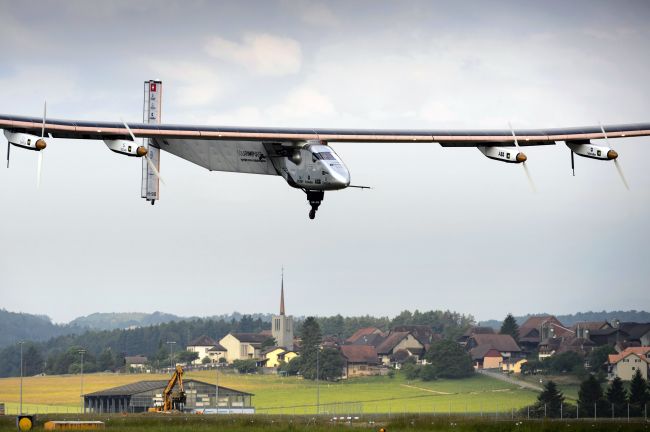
172,400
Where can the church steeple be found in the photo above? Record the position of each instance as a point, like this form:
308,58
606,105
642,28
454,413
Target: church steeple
282,325
282,294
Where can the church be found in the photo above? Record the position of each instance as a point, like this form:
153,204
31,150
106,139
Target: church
282,325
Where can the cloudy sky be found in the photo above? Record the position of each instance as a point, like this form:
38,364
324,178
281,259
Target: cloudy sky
442,228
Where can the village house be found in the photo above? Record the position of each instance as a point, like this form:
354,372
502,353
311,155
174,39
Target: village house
462,340
583,329
360,360
538,328
205,346
492,351
423,333
275,356
242,346
638,333
366,336
625,364
135,363
402,344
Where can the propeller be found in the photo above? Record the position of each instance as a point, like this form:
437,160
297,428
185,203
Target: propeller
618,167
39,167
151,165
530,179
573,165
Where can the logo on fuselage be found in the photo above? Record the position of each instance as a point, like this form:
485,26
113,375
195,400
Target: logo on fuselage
251,156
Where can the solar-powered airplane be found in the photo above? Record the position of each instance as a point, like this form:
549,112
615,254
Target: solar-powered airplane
303,157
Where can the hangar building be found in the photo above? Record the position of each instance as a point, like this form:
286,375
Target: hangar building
142,395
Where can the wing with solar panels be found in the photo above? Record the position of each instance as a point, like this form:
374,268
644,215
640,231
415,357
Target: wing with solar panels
304,157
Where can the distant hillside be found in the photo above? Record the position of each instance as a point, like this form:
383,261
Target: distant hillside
124,320
22,326
569,320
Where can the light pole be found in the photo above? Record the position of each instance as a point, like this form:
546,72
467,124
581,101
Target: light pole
317,380
83,405
216,394
21,376
171,353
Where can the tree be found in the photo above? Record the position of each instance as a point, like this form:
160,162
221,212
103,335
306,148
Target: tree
268,343
639,393
330,364
551,399
510,327
427,373
411,371
597,358
206,360
616,395
590,396
186,356
105,361
566,362
311,340
32,361
449,360
292,367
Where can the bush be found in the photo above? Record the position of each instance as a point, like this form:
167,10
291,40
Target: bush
411,371
245,366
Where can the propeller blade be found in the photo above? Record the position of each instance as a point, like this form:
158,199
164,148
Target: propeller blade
620,173
514,136
8,152
44,116
573,166
151,165
528,176
39,169
153,168
618,166
604,133
128,129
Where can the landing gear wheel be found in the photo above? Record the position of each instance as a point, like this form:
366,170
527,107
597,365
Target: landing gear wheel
314,198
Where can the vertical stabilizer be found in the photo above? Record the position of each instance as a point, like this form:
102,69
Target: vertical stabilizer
150,189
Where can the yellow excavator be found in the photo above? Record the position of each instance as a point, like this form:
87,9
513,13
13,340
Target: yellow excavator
172,400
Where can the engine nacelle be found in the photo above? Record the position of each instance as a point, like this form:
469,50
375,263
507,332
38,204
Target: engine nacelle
27,141
588,150
128,148
503,154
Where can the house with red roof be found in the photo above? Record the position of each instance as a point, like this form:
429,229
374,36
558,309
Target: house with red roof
625,364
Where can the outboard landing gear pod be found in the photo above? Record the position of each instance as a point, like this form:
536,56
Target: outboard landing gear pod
314,198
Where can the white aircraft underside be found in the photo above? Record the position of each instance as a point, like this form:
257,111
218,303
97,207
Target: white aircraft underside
303,157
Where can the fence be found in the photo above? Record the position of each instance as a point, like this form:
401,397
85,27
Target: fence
411,406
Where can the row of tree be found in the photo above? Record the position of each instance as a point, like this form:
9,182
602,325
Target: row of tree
447,323
593,401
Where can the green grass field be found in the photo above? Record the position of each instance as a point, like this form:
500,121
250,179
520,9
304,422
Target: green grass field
291,395
408,423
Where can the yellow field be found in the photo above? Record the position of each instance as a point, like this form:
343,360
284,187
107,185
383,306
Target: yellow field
277,395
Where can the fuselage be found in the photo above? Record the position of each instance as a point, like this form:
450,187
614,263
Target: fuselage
315,167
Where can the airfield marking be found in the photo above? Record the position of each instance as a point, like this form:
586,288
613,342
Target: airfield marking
426,389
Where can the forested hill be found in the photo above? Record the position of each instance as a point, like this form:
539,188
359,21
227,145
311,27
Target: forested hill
569,320
123,320
21,326
37,328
